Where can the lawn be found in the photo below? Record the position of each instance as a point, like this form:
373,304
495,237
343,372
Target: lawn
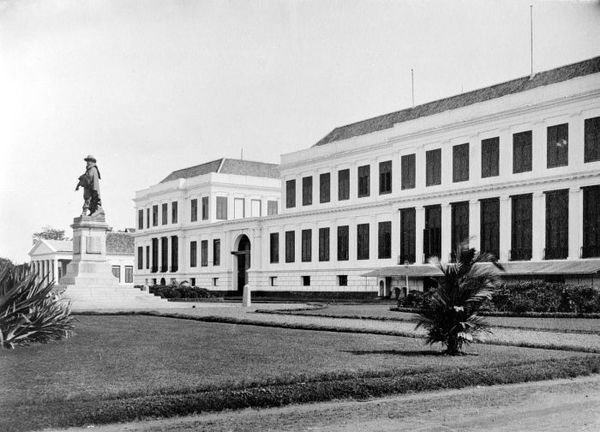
122,367
383,312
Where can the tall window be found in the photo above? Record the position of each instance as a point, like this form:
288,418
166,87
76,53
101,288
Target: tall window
432,235
116,271
433,167
216,252
324,188
174,212
174,253
154,215
148,218
343,184
154,255
364,180
205,208
460,163
384,246
408,171
306,245
323,244
490,157
221,208
362,241
140,257
522,152
592,139
460,226
164,250
194,210
148,257
204,253
140,219
239,208
307,186
271,208
290,193
193,254
407,239
255,208
274,249
591,222
557,145
521,227
557,224
343,234
490,226
165,213
128,274
290,246
385,177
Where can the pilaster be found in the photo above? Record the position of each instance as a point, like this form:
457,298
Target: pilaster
538,226
575,222
505,228
446,232
474,224
419,227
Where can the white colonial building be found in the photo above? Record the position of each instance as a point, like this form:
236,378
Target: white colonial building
514,169
49,258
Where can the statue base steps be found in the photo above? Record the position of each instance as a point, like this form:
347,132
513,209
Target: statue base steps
102,297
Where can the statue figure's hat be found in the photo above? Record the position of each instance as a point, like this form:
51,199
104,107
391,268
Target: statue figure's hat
90,158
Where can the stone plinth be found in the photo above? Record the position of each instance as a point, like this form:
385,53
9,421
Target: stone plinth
89,283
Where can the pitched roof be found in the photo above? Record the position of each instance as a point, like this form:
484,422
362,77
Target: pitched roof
61,245
518,85
119,243
227,166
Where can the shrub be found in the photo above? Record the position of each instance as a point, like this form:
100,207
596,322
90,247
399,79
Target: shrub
29,310
181,291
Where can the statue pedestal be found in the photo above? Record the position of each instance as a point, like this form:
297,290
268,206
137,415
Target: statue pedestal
89,283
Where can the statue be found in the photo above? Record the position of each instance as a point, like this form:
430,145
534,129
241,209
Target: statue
90,181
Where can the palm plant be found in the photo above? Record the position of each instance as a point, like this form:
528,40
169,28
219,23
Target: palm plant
452,318
29,310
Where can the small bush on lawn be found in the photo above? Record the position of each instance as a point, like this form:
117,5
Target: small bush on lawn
181,291
29,310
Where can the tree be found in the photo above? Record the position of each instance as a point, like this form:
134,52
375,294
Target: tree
452,318
6,263
49,233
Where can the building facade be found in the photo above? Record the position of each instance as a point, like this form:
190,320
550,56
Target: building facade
49,258
512,169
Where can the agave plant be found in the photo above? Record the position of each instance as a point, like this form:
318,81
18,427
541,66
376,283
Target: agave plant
29,310
452,318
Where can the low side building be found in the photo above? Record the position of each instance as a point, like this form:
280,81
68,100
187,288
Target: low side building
49,258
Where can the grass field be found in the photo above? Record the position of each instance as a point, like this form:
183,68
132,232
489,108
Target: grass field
122,367
383,312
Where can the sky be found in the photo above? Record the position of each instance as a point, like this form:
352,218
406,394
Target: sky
151,86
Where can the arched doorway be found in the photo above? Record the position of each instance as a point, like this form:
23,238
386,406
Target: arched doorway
242,254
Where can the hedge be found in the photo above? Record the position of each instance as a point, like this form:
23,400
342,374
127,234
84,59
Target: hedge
179,292
530,296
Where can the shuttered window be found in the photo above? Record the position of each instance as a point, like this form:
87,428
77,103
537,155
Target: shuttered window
290,246
274,248
324,188
343,234
407,170
407,235
460,163
306,245
217,252
490,226
384,237
343,184
522,152
204,253
364,181
521,227
194,210
591,222
432,235
290,193
433,167
323,244
592,139
362,241
385,177
460,227
557,145
193,254
557,224
307,190
490,157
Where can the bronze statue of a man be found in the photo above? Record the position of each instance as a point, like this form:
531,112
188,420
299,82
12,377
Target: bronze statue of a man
90,181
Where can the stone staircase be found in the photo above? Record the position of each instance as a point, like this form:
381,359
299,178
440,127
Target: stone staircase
112,297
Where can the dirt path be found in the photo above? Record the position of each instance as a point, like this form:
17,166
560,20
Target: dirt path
561,405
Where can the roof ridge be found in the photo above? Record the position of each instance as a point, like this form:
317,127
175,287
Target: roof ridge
221,165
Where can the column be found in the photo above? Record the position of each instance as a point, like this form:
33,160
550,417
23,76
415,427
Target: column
169,251
446,232
395,236
538,149
505,228
159,246
474,224
575,222
538,226
419,227
55,270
